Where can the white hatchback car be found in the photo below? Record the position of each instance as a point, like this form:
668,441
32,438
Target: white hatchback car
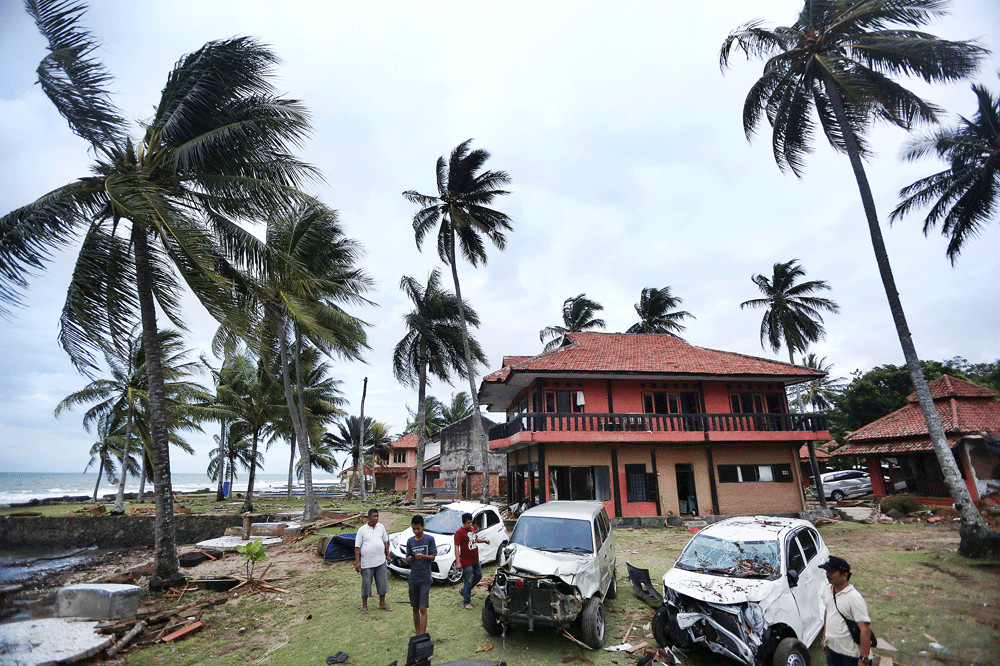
442,527
748,588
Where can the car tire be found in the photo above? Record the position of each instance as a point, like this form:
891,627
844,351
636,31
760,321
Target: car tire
791,652
837,495
491,623
592,623
499,559
454,574
661,626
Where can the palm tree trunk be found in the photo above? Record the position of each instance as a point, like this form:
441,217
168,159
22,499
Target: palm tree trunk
167,567
248,502
303,435
222,460
421,431
119,506
309,513
291,465
359,459
142,479
811,445
478,434
973,530
100,471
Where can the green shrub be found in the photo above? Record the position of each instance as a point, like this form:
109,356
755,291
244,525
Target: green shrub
905,504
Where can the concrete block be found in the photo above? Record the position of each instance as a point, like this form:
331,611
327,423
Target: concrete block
98,600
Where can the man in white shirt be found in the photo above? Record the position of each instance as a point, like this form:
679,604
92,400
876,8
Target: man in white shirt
841,601
371,548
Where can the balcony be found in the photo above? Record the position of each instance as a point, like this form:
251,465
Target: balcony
659,423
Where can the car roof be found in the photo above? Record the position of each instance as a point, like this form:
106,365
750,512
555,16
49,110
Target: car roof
754,527
466,507
565,509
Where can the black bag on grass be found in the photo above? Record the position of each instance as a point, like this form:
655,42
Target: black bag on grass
419,651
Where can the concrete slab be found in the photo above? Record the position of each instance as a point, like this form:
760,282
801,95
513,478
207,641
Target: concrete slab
49,641
98,600
861,514
228,544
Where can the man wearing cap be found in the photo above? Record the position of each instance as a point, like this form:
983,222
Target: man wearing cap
842,600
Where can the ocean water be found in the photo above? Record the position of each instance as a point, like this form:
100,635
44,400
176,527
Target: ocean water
16,487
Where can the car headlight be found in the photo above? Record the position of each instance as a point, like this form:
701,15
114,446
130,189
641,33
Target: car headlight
444,550
394,541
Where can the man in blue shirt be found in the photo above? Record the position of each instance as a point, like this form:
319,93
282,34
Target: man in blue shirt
420,552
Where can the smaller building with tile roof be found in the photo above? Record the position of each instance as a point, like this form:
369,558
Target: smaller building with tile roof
899,443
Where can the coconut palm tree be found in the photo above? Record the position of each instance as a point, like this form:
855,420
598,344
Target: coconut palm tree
433,344
966,195
459,408
309,276
837,60
658,313
791,313
434,419
820,392
577,315
158,211
232,450
462,214
348,439
109,445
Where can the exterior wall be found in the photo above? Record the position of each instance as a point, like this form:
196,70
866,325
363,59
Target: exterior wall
667,458
457,454
759,497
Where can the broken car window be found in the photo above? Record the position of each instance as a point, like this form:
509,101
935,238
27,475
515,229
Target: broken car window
446,521
739,559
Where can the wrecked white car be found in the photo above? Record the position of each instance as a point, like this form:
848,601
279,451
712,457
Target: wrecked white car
558,569
747,588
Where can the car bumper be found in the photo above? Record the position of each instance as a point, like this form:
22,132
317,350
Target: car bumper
439,567
534,601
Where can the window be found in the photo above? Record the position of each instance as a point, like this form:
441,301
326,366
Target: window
399,456
660,402
808,543
564,402
640,486
757,403
580,483
491,518
795,560
754,473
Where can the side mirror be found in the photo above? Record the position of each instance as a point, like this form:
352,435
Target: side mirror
793,578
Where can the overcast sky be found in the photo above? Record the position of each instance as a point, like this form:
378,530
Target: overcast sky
629,165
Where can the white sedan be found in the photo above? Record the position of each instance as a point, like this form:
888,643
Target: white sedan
442,527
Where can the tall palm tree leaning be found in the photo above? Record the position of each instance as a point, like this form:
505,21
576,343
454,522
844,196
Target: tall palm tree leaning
461,209
658,313
966,195
433,343
837,59
792,317
577,315
157,210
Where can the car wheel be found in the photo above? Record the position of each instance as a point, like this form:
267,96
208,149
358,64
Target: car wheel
837,495
592,623
499,559
791,652
491,623
454,574
661,626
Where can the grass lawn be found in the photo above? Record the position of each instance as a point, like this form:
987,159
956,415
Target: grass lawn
914,582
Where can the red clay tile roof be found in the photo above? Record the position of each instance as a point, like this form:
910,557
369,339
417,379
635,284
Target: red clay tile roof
962,407
821,453
644,353
408,441
909,445
947,386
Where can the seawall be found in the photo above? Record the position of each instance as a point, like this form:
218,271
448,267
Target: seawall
109,531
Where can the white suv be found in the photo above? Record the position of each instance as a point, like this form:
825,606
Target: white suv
558,569
442,527
747,588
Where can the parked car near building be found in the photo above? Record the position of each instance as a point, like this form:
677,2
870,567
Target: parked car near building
442,526
845,483
558,570
747,588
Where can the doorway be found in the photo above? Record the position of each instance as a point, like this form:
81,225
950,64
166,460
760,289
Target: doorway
687,498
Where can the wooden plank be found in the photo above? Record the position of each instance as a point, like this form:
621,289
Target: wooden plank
194,626
636,648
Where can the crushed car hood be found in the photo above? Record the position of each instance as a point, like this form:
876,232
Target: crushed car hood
719,589
544,563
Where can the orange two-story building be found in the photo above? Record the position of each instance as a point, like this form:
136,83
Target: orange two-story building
651,426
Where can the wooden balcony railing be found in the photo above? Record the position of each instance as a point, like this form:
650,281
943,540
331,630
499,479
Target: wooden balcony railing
537,422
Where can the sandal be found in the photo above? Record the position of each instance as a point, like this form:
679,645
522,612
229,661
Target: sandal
469,607
364,610
386,608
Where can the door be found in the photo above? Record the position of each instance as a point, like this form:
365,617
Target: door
687,498
801,556
491,528
605,545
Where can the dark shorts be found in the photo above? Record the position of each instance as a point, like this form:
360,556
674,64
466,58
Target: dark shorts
837,659
420,595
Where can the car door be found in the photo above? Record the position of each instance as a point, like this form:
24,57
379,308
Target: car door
491,530
803,557
605,549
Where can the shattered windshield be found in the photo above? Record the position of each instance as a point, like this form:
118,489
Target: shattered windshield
446,521
555,535
739,559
